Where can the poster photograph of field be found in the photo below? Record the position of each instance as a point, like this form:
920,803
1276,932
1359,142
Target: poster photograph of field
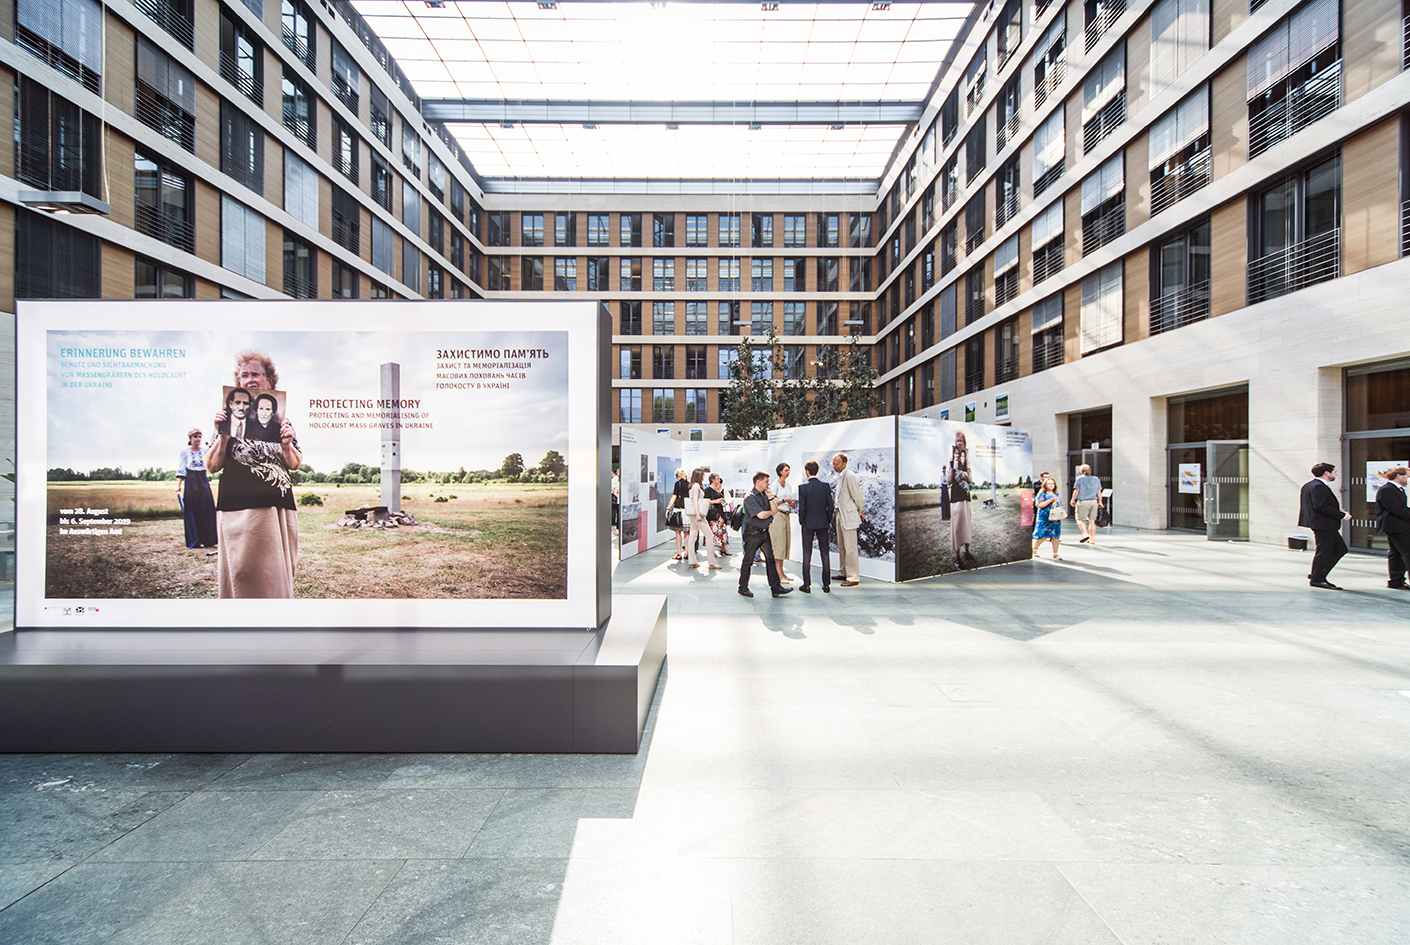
964,496
374,465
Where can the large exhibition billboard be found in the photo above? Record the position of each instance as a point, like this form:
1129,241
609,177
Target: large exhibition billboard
445,472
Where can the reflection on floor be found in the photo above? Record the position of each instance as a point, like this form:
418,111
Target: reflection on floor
1159,739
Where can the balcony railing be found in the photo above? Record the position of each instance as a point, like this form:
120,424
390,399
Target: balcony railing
1315,259
1176,185
57,58
973,380
348,234
973,309
1405,228
302,128
298,47
1104,122
168,19
164,117
1006,209
1048,177
1006,370
169,228
1177,309
1048,260
973,94
345,93
1056,73
1005,133
1005,287
1099,229
299,287
1102,22
949,194
1305,103
1047,354
1405,44
249,86
973,241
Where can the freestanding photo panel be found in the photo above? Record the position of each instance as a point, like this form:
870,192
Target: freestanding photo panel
964,496
450,462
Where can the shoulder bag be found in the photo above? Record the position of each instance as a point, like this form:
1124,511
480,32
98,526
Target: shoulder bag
1056,513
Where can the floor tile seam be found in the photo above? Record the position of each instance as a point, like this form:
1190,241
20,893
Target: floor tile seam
373,901
481,829
1091,907
51,879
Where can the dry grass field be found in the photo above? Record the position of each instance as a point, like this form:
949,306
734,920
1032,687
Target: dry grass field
498,540
923,535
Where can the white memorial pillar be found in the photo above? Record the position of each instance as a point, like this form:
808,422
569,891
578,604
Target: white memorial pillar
391,437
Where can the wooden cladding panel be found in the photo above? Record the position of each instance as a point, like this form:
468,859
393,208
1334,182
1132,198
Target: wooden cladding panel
1072,222
208,130
1228,250
7,251
208,225
119,66
1224,16
119,272
1370,203
1136,297
273,256
1229,131
1138,66
1371,45
122,180
1072,322
273,170
1025,343
1138,181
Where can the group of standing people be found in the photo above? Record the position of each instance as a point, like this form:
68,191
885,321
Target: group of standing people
254,521
1320,510
766,531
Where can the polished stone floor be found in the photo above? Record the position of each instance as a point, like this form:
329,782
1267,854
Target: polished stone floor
1158,740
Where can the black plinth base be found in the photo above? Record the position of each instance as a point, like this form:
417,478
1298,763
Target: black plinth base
324,690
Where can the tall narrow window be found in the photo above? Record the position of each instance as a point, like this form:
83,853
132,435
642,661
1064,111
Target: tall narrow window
410,149
974,76
1180,283
531,229
54,260
174,16
974,234
663,229
974,364
761,229
1294,74
761,275
1102,309
697,229
242,239
346,81
301,190
1048,242
1006,351
631,229
565,229
1048,341
298,108
975,150
347,221
154,280
565,274
795,229
1297,238
1100,15
1050,61
828,229
1006,191
1104,204
166,95
58,146
1008,111
531,273
300,268
1006,271
729,229
345,151
296,27
241,57
242,147
1180,152
1008,31
630,274
65,34
1179,36
380,115
1104,98
599,229
381,184
697,274
663,275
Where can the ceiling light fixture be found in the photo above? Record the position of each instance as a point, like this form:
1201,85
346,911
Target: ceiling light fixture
548,4
436,4
768,7
837,126
63,201
506,124
672,126
754,126
882,5
589,126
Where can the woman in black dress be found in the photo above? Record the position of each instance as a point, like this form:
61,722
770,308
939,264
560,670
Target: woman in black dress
679,524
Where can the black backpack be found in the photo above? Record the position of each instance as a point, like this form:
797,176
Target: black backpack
736,518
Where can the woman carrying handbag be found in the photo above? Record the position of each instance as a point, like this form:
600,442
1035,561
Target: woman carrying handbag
1047,524
696,508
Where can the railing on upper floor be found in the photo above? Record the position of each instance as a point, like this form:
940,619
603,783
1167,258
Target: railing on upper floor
1315,259
1176,309
1176,185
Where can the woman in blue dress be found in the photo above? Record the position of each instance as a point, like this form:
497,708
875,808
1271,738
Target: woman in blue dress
1044,501
194,489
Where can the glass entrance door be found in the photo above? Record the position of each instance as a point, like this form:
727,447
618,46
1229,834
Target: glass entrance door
1226,490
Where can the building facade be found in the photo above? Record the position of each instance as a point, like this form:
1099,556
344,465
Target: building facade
1165,237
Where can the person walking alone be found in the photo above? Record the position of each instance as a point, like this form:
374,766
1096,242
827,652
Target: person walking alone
1321,511
1086,499
697,506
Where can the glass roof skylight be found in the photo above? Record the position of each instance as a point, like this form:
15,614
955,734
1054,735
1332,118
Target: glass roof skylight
727,152
484,50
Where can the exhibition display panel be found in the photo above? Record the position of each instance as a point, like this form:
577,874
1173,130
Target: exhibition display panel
390,531
647,474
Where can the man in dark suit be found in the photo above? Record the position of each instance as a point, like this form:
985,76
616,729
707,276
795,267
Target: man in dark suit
1393,519
1322,512
814,516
